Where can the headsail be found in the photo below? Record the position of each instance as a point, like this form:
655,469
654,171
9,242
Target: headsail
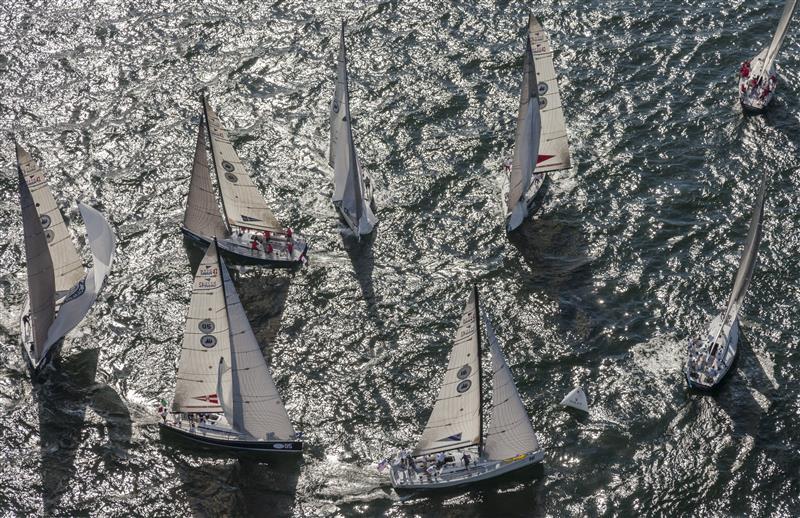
202,213
243,203
554,145
455,421
777,39
206,339
67,264
510,431
348,182
41,282
526,144
256,405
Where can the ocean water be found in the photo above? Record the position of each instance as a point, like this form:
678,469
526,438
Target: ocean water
631,251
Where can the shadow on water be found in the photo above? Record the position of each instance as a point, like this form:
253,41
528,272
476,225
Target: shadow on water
263,294
363,258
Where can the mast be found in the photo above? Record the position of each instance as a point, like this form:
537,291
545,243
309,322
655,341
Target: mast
480,368
216,173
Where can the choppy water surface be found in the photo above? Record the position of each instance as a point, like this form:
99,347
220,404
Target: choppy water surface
632,250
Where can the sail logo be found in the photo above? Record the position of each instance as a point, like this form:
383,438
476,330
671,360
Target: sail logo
211,398
77,291
543,158
249,218
452,438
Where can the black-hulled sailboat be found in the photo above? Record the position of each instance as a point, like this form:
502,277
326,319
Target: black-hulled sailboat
225,398
249,231
455,428
60,290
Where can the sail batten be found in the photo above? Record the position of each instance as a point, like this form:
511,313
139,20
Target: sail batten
202,215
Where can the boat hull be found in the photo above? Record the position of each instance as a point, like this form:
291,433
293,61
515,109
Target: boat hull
242,254
216,444
36,368
696,379
537,180
750,98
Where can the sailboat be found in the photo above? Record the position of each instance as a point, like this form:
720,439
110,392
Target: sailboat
710,358
60,290
225,398
758,77
352,187
454,430
249,231
541,144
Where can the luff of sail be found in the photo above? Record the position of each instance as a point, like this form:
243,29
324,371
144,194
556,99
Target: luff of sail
243,203
257,407
455,421
202,215
553,145
510,431
67,264
778,37
41,282
206,339
526,144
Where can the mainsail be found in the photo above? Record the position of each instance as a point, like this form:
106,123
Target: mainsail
202,213
455,421
526,145
206,339
554,146
256,405
67,264
242,202
510,431
348,183
41,282
777,39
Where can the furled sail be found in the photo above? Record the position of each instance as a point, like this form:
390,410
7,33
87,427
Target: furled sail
777,39
242,202
202,213
80,299
455,421
256,405
526,145
553,146
41,282
206,339
510,431
67,264
348,182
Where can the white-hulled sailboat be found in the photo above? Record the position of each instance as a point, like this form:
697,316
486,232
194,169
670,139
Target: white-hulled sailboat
225,397
352,187
758,77
710,358
60,290
249,231
454,430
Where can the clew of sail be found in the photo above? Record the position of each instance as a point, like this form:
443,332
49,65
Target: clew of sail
777,39
553,152
455,421
206,339
510,431
242,202
202,213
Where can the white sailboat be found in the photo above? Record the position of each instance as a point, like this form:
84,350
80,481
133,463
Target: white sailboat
225,397
352,187
454,431
758,77
249,231
710,358
60,290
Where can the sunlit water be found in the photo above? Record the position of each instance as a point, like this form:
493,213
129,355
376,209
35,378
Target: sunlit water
632,250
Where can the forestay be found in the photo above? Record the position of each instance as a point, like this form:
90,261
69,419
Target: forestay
510,431
202,213
455,421
41,283
256,405
777,39
206,339
67,264
242,202
553,152
526,145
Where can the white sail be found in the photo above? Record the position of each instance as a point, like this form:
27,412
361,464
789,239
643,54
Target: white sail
243,203
348,183
576,399
553,145
202,213
257,407
80,299
777,40
206,339
224,392
67,264
455,421
510,431
526,144
41,282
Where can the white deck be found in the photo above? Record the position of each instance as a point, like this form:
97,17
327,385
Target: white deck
707,364
757,97
242,245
